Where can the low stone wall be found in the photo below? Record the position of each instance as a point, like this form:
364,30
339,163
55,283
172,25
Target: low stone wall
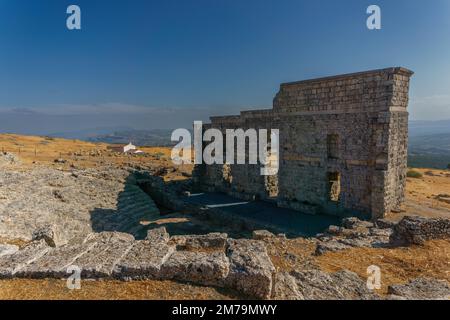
417,230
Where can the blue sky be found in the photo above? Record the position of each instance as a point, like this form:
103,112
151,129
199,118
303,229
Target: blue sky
149,64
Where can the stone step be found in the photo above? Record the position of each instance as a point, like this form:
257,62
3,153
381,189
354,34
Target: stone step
100,261
55,263
143,260
11,264
138,206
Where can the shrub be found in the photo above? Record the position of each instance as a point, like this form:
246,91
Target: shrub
414,174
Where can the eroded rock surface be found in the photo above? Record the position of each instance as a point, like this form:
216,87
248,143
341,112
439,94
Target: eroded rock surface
77,203
417,230
422,289
251,269
353,233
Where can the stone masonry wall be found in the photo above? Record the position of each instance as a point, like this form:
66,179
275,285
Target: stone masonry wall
343,145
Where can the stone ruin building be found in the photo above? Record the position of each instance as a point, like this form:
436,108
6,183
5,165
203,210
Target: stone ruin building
342,146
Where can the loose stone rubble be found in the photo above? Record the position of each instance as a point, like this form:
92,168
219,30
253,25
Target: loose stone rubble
353,233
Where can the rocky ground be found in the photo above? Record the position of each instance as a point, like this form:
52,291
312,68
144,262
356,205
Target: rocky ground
102,214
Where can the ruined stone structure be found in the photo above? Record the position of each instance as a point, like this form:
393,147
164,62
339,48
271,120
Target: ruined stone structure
343,146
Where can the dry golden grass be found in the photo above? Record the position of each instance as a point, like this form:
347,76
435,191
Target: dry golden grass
398,265
35,151
52,289
423,192
17,242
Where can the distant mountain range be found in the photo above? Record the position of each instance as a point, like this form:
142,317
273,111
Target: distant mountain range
429,141
155,137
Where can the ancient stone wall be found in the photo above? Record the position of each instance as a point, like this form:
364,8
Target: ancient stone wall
343,146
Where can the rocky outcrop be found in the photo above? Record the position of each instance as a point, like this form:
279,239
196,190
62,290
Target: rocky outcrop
285,288
417,230
318,285
342,285
421,289
67,206
8,249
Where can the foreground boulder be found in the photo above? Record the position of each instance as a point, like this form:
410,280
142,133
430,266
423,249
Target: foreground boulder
285,288
421,289
417,230
143,260
251,269
341,285
214,240
198,267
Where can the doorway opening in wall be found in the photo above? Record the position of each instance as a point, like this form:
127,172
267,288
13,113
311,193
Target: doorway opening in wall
271,185
333,146
334,186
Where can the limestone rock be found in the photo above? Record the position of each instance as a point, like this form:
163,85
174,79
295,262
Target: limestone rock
158,235
143,260
198,267
331,246
422,289
49,233
262,234
55,262
251,269
417,230
102,258
384,224
342,285
285,288
354,223
11,264
8,249
211,240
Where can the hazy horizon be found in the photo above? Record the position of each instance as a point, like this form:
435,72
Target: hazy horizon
154,65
